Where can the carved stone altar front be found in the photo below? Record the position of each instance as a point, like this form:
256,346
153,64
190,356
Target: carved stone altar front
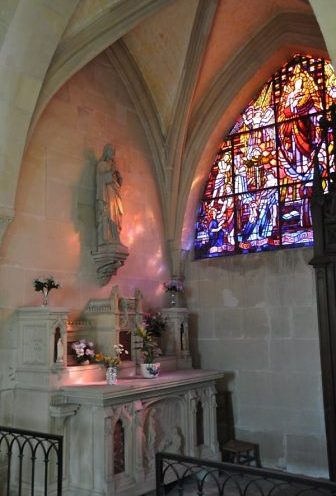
118,429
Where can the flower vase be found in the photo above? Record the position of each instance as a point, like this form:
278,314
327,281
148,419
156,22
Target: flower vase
111,375
45,293
150,370
172,299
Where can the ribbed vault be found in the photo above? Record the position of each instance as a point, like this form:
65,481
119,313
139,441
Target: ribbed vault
183,139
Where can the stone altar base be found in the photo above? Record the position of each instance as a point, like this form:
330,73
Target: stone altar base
111,433
111,441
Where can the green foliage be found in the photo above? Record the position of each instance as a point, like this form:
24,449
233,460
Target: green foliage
48,284
148,345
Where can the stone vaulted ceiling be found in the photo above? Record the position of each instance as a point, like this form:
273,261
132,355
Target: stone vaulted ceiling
190,66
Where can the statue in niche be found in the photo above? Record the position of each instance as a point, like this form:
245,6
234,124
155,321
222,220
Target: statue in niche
138,300
110,254
123,306
152,437
109,208
60,351
175,443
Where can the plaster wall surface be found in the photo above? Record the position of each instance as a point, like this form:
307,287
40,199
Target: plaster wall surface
254,316
54,229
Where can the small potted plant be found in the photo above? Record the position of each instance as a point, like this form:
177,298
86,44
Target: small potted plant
45,286
83,351
150,350
111,362
154,323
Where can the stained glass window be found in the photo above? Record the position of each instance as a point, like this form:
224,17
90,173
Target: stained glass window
257,196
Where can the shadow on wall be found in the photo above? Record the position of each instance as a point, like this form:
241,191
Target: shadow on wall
225,418
83,214
193,340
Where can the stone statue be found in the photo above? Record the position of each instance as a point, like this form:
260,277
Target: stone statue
175,443
60,351
110,253
138,300
109,209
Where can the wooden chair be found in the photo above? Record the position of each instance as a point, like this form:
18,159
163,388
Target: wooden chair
233,451
243,452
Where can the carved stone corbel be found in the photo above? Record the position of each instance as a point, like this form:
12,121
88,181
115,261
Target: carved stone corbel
60,413
108,259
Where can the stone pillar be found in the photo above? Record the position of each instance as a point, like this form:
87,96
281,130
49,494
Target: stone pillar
176,336
42,342
324,263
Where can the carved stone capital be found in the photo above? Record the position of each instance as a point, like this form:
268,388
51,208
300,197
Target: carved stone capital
60,413
108,259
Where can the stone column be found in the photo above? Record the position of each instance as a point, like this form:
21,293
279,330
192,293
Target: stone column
324,262
176,336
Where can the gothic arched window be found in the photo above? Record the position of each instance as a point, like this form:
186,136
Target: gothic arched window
258,192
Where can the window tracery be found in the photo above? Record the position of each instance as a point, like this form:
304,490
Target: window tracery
257,196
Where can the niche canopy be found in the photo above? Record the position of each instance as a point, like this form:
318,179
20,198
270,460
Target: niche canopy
257,196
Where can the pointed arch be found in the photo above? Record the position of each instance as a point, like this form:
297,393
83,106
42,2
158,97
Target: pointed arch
276,42
257,196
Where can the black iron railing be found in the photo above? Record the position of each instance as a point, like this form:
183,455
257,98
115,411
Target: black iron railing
181,475
31,462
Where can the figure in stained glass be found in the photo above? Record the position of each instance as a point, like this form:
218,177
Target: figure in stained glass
330,83
240,174
216,234
226,217
258,193
297,133
305,193
259,116
223,175
249,232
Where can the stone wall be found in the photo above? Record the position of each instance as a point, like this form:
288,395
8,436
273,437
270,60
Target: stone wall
254,317
53,232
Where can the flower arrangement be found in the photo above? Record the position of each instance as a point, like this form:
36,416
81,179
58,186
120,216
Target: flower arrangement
154,323
83,351
45,286
48,284
174,286
149,347
114,359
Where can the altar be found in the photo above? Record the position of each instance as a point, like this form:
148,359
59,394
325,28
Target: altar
112,432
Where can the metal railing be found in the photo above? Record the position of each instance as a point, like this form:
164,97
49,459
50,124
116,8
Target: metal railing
182,475
31,463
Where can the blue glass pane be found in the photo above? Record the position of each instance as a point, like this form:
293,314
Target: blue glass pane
257,220
215,229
